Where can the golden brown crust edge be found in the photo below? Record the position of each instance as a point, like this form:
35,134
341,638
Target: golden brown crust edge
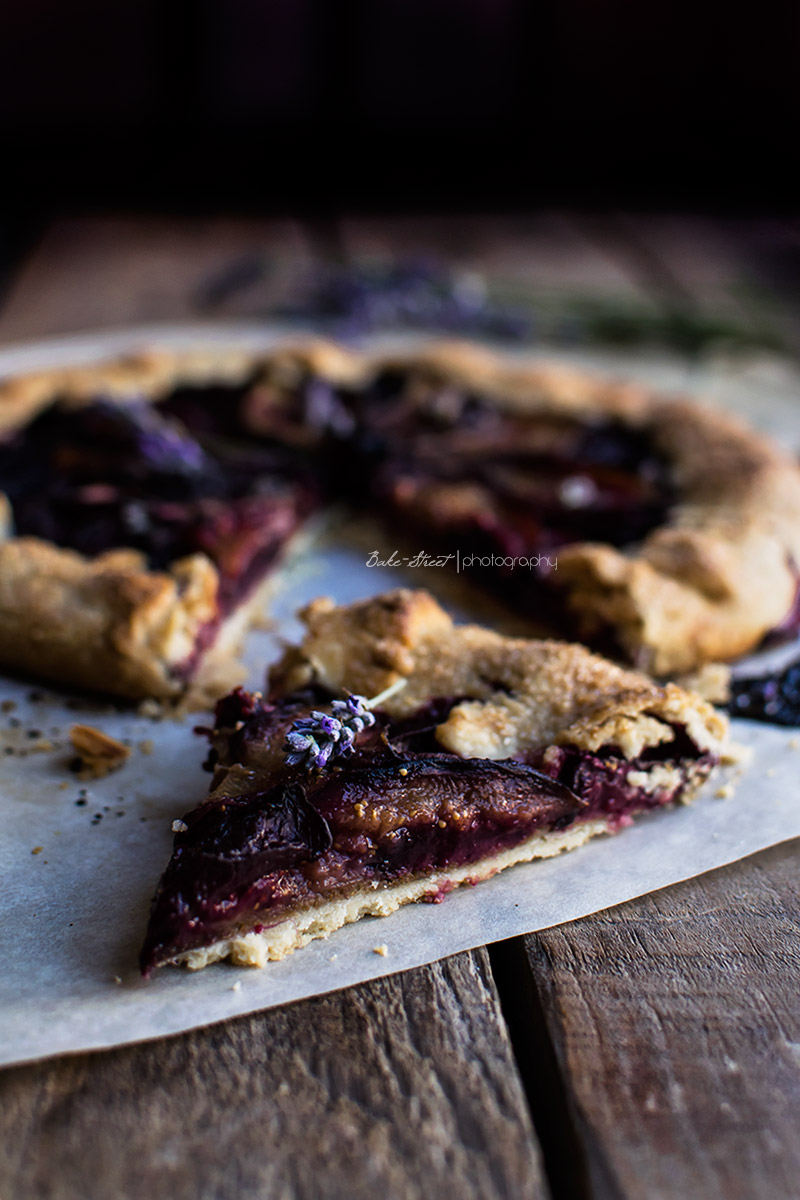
519,694
110,624
707,586
154,373
721,574
106,624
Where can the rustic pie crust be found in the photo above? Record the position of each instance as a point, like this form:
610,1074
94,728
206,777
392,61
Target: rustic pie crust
485,751
698,562
111,622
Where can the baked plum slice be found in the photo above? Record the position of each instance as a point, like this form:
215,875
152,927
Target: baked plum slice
486,482
109,475
272,841
251,860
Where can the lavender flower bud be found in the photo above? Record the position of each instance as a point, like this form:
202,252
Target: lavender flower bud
313,741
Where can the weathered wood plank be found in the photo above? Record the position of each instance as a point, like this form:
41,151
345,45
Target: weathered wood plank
745,272
546,251
92,273
404,1087
676,1028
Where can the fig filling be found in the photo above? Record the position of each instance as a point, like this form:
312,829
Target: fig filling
108,475
507,491
400,808
234,470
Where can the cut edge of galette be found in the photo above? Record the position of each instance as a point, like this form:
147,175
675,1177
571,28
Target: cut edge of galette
157,550
663,534
481,752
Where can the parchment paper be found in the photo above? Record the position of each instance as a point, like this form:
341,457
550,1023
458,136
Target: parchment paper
77,878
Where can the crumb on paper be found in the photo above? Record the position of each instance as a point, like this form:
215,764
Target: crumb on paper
37,849
179,826
725,792
737,755
146,747
116,979
151,708
383,950
794,743
333,958
712,682
98,753
237,987
8,706
41,746
771,772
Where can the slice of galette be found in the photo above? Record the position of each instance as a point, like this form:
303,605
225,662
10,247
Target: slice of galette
148,502
396,756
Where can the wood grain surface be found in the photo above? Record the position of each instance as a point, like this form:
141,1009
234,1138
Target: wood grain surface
95,273
404,1087
675,1029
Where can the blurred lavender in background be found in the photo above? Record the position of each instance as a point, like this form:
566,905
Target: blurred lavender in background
349,299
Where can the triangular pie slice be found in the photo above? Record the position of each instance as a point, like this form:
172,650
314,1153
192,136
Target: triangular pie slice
480,751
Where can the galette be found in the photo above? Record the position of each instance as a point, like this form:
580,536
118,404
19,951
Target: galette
396,755
146,503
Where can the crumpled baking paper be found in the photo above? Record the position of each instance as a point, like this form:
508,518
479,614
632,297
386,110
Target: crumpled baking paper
79,862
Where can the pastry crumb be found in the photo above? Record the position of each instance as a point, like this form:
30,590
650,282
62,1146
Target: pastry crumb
151,708
8,706
725,792
794,743
179,826
771,772
116,979
333,958
383,950
98,753
237,987
146,747
734,754
37,849
712,682
41,746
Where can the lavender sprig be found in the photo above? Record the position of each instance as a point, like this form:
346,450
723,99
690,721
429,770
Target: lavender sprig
312,741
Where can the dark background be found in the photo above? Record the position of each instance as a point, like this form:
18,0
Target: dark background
313,106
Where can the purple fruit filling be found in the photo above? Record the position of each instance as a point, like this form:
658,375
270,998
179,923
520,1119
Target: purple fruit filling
603,779
773,698
496,486
233,470
375,822
398,809
110,475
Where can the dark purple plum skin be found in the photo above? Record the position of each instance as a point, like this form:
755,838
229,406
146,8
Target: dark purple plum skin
297,842
399,808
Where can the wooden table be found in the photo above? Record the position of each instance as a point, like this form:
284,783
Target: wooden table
650,1051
